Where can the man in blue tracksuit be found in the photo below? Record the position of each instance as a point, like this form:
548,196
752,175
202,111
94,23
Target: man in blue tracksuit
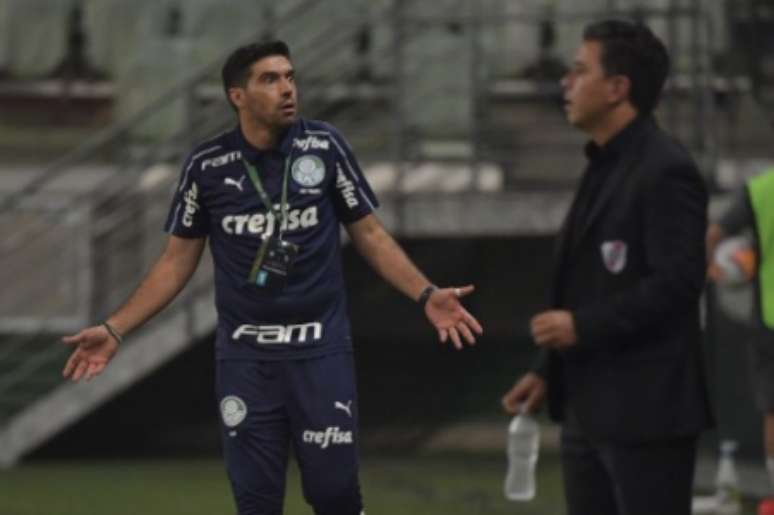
270,195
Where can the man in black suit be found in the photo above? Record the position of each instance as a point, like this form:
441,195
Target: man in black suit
620,347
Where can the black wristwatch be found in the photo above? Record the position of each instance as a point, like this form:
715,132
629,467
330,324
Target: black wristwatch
425,295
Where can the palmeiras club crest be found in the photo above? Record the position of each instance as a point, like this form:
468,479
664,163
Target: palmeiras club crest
308,171
614,255
233,410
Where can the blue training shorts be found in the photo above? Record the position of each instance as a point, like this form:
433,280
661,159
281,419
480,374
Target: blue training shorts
311,404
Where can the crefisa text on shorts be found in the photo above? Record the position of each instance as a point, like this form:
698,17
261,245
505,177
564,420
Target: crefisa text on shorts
331,436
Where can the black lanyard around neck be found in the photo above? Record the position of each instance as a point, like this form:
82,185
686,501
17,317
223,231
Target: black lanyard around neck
282,212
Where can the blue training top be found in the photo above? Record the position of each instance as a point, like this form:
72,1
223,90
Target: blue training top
216,198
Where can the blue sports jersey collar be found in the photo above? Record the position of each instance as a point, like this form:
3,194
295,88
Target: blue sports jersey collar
252,154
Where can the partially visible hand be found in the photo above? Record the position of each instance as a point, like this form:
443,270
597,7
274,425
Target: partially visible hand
526,395
554,329
714,273
95,347
449,316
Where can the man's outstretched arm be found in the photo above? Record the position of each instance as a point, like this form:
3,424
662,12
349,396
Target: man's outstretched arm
443,308
95,346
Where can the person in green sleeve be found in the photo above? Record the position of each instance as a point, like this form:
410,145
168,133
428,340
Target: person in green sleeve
753,208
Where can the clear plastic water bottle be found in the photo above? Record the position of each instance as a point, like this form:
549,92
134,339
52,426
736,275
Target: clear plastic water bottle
727,493
523,445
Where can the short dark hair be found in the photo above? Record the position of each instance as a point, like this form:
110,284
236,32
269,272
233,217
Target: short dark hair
236,71
631,49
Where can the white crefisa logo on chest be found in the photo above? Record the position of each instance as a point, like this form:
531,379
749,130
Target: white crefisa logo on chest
233,410
308,171
614,255
311,142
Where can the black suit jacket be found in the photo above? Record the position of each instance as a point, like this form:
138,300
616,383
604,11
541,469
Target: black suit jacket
634,268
